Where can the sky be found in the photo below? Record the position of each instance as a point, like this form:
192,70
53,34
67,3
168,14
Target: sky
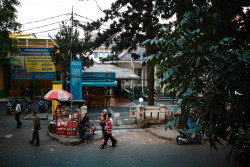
44,17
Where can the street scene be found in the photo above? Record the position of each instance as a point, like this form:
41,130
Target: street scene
125,83
135,147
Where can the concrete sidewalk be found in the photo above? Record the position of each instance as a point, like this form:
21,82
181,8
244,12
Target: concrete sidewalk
75,140
160,131
157,130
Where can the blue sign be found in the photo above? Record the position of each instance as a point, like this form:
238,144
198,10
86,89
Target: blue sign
76,79
33,75
35,51
98,76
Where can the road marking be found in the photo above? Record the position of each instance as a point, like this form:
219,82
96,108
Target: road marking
8,136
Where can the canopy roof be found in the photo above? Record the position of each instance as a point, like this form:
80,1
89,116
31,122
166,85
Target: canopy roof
120,73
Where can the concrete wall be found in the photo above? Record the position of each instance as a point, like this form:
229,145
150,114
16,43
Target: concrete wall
154,114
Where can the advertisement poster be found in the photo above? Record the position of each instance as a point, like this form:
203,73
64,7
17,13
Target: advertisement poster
76,79
33,64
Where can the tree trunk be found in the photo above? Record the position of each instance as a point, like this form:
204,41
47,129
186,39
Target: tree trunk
150,68
150,82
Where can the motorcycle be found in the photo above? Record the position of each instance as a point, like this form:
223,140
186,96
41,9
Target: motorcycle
41,105
28,102
184,137
10,105
243,155
45,91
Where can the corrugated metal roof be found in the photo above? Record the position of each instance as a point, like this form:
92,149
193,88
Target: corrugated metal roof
126,56
120,73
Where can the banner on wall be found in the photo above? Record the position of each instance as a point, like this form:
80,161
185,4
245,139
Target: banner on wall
76,79
33,64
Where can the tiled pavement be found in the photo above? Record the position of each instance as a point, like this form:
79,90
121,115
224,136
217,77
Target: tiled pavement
118,101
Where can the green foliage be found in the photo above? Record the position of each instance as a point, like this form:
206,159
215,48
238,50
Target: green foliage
8,24
205,55
78,49
131,24
109,58
158,90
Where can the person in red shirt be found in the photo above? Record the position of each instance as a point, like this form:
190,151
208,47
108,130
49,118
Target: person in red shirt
108,132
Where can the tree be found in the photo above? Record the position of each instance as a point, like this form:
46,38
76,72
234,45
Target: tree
206,56
70,47
8,24
132,23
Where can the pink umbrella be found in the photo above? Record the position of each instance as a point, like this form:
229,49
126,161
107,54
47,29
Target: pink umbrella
58,94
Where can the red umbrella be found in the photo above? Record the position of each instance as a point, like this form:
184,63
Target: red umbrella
58,94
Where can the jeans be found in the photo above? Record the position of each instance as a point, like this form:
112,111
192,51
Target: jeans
17,118
86,137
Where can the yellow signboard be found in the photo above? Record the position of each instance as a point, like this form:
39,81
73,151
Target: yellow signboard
39,64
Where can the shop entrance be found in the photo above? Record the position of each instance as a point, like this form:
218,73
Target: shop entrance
97,97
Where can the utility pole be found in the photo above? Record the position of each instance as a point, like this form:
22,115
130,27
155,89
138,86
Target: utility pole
72,24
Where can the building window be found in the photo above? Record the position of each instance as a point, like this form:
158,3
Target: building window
139,72
106,54
96,55
101,54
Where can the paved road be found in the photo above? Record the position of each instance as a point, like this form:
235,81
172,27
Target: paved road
16,151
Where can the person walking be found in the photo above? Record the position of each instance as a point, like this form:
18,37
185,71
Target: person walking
17,112
36,128
108,132
102,122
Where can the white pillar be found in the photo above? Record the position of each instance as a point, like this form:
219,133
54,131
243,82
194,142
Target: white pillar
142,80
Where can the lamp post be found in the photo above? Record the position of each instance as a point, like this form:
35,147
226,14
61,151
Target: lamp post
140,100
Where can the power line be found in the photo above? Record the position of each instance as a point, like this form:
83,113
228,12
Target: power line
46,19
83,17
45,25
98,6
88,18
46,31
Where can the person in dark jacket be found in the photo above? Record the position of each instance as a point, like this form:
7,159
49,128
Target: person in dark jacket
36,128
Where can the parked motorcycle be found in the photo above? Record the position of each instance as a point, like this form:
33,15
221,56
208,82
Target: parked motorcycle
243,155
184,137
28,102
10,105
46,90
41,105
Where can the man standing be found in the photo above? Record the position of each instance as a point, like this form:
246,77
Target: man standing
102,122
108,132
36,128
17,111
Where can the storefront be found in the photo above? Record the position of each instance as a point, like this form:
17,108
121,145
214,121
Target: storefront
102,82
97,88
32,71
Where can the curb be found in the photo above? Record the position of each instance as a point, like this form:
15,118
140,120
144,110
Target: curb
65,140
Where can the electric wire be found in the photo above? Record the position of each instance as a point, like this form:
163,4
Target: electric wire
46,31
46,18
44,25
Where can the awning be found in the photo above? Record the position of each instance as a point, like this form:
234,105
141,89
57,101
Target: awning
100,84
120,73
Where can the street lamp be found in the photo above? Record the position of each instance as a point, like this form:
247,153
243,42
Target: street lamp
141,100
